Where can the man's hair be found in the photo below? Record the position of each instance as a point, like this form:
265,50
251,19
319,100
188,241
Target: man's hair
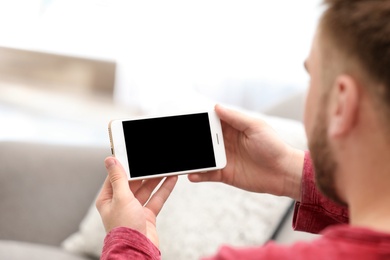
360,31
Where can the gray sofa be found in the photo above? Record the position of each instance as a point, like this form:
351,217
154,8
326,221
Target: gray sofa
45,192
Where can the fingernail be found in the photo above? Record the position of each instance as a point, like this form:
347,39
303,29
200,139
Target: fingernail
110,162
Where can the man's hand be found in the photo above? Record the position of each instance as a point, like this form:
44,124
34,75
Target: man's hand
131,204
257,159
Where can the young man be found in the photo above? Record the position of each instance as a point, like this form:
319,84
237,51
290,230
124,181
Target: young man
347,121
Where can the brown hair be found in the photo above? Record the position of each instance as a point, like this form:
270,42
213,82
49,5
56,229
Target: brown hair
360,30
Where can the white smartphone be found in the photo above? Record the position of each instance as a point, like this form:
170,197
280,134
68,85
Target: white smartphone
160,146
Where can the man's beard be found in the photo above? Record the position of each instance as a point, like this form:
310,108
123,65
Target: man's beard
325,165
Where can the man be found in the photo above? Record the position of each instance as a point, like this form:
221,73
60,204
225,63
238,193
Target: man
348,127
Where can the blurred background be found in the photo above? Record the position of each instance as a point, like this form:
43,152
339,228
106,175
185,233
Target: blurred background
67,67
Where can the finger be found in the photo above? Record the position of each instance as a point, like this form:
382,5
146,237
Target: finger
117,177
135,185
158,199
105,194
146,189
234,118
213,176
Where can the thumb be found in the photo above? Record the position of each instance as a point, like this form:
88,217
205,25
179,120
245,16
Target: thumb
236,119
117,177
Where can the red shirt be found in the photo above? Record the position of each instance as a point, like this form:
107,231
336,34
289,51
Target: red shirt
314,213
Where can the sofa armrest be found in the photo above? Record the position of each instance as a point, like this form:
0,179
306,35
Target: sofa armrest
46,190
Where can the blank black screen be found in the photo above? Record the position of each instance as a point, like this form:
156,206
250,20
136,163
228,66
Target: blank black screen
168,144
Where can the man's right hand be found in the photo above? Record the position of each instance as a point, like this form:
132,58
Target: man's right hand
257,159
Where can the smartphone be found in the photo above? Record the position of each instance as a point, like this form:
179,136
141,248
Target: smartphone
159,146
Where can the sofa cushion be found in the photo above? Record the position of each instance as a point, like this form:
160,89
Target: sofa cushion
13,250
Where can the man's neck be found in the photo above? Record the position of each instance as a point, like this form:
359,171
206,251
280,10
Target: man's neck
374,214
368,192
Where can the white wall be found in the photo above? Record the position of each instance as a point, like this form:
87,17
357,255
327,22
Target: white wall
244,52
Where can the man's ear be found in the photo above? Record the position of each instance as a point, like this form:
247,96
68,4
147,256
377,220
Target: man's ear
344,106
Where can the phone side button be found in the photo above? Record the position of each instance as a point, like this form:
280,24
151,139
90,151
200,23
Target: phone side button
112,151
